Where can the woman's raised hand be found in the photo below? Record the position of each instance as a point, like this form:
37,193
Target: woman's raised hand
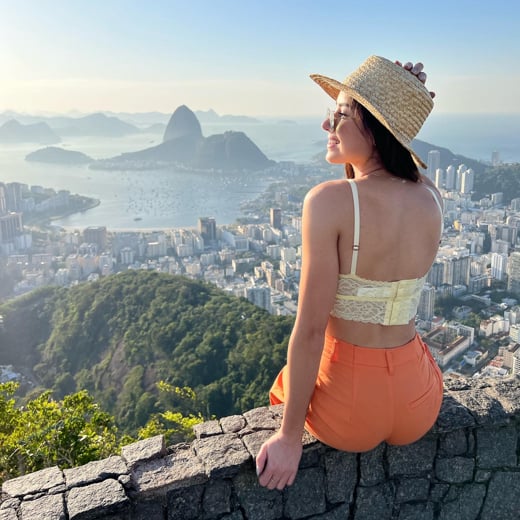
417,71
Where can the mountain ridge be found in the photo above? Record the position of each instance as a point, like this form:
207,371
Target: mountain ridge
184,145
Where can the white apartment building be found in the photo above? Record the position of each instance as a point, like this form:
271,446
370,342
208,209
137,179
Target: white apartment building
499,266
434,162
468,180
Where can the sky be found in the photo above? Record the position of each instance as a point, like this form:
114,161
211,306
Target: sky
250,57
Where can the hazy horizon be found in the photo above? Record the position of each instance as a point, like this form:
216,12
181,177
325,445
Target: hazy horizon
247,58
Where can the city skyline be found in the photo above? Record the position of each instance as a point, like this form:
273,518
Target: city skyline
247,58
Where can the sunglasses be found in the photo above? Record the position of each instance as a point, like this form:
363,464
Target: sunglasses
334,117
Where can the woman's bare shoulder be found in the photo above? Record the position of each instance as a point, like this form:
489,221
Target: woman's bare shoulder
327,191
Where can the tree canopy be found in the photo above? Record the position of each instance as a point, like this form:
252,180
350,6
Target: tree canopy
119,337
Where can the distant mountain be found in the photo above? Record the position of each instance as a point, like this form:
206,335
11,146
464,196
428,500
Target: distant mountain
184,145
210,116
157,128
14,132
55,155
421,148
183,123
230,151
447,156
97,125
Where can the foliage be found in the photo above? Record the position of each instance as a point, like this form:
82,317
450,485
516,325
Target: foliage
504,178
118,337
175,426
47,432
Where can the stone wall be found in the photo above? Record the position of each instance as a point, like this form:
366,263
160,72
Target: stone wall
466,467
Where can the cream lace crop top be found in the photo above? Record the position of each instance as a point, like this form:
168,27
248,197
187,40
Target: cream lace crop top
372,301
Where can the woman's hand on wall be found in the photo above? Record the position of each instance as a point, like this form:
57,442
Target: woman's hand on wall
277,461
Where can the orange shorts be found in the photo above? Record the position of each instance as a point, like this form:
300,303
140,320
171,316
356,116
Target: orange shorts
364,396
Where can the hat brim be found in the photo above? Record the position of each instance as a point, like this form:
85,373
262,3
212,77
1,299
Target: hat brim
333,87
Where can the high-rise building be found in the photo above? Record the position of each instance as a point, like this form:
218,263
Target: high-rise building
96,235
434,162
14,196
495,158
425,311
3,199
513,283
498,266
458,180
208,228
276,218
439,178
450,177
436,274
260,296
468,179
11,226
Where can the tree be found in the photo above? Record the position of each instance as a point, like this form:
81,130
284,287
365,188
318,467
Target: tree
47,432
176,426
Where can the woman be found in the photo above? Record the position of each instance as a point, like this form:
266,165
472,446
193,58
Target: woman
357,373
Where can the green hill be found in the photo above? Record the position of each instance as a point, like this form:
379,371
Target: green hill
120,336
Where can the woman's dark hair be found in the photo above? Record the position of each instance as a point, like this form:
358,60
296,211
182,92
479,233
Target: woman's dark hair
395,157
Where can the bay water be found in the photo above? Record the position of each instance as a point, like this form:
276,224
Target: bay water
169,198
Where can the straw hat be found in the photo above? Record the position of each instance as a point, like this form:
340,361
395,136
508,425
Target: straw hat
394,96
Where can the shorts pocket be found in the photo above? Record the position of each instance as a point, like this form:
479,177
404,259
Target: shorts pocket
429,394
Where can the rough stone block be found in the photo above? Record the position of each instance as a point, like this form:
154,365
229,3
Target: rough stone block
312,453
508,393
258,503
452,416
95,471
8,514
216,499
412,460
98,500
232,424
144,450
49,507
455,470
463,503
482,475
503,497
453,443
147,510
341,512
157,476
254,440
9,503
496,448
185,504
207,429
37,482
482,400
371,466
307,495
236,515
375,502
341,476
277,411
222,455
261,419
411,489
416,512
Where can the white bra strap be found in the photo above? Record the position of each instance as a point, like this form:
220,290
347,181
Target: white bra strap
355,245
436,199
